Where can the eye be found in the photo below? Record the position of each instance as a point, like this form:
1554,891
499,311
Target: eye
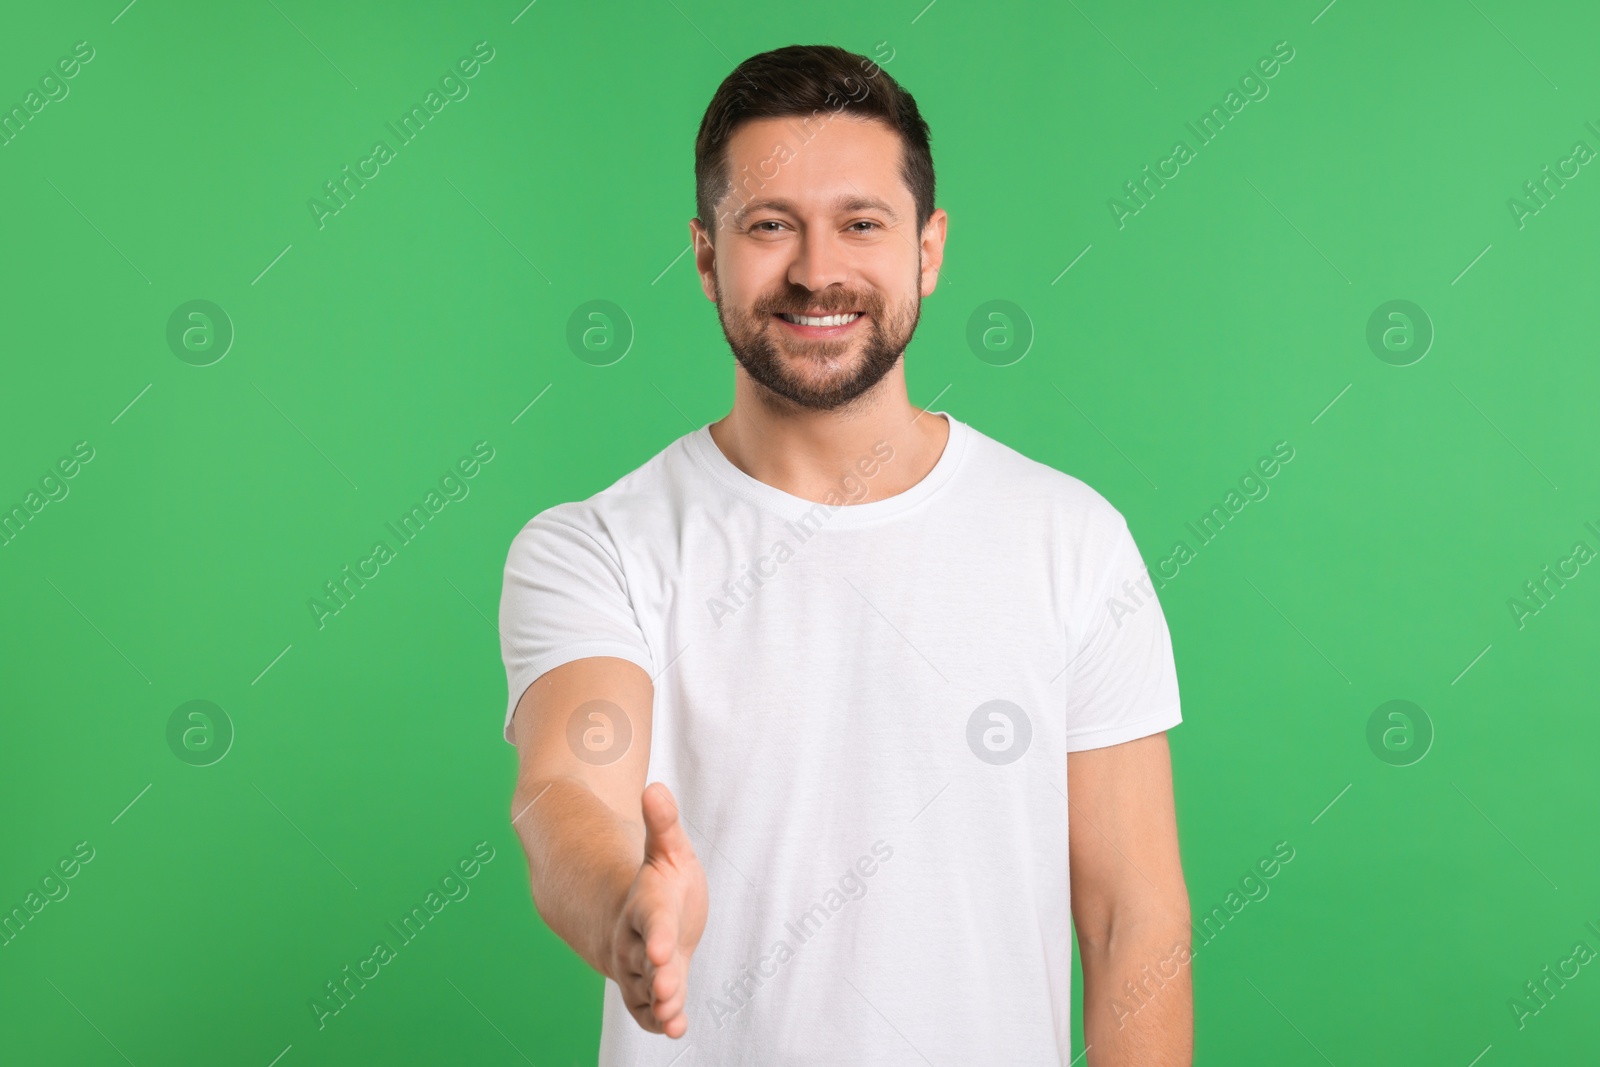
865,222
756,228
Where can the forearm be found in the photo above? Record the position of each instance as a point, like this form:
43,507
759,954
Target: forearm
1138,996
582,859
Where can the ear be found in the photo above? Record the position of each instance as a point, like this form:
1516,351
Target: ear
705,258
933,235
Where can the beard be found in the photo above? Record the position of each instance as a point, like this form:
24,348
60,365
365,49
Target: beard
818,374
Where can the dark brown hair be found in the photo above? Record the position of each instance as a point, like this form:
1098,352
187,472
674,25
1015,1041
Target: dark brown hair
808,80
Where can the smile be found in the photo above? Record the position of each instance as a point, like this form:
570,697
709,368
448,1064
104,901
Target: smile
820,325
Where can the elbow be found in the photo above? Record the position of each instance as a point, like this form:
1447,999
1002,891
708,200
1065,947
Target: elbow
1144,922
1163,924
530,794
523,797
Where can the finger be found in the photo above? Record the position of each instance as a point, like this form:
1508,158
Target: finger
671,1005
664,836
658,1005
664,985
661,937
636,995
670,1014
642,1016
658,950
633,955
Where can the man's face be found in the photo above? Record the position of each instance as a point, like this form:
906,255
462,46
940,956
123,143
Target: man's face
825,229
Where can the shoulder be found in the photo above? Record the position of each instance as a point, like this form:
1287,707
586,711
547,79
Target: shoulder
1024,480
628,507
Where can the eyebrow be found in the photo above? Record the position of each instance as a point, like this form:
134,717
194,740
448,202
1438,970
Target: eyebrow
842,205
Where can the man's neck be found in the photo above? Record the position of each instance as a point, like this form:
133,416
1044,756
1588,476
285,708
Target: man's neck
876,450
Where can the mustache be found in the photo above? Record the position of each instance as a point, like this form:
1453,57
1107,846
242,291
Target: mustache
829,305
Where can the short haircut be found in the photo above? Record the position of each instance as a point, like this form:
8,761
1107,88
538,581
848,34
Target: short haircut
808,80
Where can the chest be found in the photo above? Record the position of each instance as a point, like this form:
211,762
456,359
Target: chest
874,655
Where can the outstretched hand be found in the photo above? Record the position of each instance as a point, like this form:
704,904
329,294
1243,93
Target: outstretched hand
661,920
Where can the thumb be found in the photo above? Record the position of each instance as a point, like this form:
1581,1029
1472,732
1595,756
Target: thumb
664,838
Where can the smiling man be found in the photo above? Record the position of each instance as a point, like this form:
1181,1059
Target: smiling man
897,743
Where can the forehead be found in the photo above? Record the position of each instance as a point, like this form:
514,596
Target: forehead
816,161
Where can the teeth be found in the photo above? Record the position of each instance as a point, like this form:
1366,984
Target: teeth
821,320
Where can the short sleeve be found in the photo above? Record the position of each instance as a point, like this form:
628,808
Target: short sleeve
564,597
1122,682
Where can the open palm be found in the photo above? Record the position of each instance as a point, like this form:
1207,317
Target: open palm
661,921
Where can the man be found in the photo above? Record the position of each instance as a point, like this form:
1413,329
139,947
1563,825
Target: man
884,674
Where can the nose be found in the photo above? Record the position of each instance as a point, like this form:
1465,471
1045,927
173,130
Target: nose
819,262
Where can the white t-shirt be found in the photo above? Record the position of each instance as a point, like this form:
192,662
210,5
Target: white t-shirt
864,712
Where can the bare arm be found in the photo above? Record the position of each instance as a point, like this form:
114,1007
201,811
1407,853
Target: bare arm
1130,906
612,872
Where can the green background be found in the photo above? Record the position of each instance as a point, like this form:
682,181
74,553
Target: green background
370,354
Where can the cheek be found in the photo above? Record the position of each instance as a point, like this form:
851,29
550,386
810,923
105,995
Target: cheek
750,279
899,297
